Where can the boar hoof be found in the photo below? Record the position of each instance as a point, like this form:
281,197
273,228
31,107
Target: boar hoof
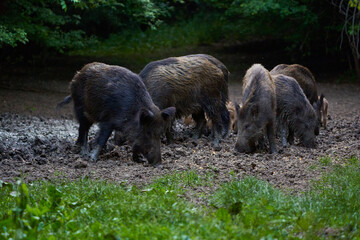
138,159
216,147
84,151
158,165
274,152
93,157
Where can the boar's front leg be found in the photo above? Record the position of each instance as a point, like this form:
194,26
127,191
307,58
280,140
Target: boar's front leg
282,130
290,137
270,129
119,138
200,121
170,133
104,134
82,140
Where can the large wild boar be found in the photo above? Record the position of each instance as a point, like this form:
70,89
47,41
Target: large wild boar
117,99
306,80
302,75
257,116
295,115
195,85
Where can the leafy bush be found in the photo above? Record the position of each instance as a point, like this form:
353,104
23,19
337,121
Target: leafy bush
62,25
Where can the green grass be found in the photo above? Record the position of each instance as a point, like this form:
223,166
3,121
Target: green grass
325,161
241,209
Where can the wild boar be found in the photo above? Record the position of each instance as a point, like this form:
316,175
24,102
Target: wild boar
307,82
117,99
295,115
257,116
196,85
302,75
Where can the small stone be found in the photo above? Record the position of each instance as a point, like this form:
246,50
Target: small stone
216,148
180,151
227,154
253,165
80,164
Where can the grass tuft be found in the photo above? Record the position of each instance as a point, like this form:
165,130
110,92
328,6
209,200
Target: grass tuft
241,209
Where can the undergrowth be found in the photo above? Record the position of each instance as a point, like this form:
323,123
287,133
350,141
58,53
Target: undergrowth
135,47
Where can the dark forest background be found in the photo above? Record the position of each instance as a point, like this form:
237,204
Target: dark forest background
321,34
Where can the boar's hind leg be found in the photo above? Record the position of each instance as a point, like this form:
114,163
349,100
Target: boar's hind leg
290,137
270,130
119,138
84,126
225,118
104,134
217,127
170,133
283,132
200,120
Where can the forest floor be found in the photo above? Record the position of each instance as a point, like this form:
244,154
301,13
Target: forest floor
36,142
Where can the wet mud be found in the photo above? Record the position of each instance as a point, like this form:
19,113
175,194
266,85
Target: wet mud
38,143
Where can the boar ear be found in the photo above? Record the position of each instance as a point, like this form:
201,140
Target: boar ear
168,113
145,116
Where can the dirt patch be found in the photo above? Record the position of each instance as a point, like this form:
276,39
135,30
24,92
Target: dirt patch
37,143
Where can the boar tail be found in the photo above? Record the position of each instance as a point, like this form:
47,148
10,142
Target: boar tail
66,100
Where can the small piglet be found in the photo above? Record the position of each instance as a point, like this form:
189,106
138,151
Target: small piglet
323,111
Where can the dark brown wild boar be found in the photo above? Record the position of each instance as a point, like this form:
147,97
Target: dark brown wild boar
195,85
302,75
307,82
257,116
295,115
117,99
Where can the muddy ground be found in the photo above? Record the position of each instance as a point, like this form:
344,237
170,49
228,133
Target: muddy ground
37,143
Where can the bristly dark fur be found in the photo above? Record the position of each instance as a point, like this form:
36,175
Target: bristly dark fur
194,84
117,99
295,114
256,117
302,75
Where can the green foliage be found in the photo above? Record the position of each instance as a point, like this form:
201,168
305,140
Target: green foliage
139,47
63,25
196,31
241,209
42,23
326,161
291,20
12,37
149,25
354,4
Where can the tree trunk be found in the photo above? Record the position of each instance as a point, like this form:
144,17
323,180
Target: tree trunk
356,63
